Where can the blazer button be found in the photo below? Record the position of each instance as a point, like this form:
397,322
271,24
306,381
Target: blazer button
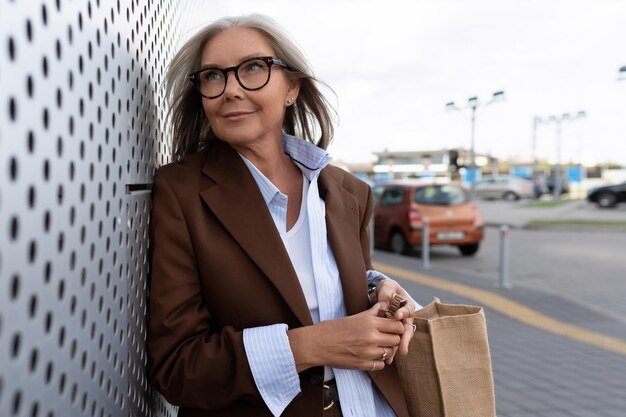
315,379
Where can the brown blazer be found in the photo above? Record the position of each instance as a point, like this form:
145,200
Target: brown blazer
218,266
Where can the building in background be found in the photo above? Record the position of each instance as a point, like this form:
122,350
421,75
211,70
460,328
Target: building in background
439,165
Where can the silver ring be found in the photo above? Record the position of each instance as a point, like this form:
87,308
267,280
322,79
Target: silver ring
373,365
414,327
385,354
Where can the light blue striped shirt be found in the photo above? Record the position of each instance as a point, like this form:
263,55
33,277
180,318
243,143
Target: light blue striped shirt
267,347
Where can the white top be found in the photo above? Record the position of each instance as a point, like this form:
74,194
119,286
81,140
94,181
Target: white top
298,246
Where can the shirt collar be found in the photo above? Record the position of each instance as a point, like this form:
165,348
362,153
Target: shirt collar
308,157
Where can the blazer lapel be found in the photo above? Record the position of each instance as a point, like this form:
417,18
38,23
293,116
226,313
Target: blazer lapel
341,222
238,204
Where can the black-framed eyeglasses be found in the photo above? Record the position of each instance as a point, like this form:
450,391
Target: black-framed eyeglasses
252,74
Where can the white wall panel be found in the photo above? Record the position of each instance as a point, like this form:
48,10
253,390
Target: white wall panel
81,130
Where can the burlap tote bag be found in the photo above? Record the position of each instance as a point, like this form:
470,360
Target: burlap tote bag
447,372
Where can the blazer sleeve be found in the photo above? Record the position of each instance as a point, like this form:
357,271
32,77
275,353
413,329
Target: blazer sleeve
191,363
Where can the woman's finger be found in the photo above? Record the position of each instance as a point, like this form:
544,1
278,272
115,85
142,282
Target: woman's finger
391,340
372,311
406,338
392,355
385,291
405,312
373,365
389,326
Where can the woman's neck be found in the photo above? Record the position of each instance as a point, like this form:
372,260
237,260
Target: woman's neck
271,160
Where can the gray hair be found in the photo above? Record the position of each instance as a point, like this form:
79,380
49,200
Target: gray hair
191,129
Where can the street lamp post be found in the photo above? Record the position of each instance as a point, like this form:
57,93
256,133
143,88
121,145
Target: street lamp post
473,104
558,120
536,122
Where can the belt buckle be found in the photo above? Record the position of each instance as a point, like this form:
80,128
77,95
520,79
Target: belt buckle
332,402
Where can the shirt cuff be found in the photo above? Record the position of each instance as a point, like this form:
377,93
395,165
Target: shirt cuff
374,278
272,364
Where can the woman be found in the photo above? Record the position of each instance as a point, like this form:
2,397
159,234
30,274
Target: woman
260,249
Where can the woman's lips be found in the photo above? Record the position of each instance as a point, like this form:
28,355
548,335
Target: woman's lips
236,115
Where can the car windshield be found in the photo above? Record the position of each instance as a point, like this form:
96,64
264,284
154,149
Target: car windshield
446,195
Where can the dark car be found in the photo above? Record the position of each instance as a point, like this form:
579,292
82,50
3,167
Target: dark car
608,196
403,205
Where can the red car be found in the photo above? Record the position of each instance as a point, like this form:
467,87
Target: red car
401,207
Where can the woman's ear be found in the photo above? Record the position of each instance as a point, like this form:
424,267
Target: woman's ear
293,91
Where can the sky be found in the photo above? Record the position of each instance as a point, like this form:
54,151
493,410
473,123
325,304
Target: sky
393,65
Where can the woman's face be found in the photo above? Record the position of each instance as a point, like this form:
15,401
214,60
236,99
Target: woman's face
241,117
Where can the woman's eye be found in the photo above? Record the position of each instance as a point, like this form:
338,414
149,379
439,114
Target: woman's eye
211,75
253,67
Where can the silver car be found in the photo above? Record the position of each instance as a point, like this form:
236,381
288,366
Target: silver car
508,187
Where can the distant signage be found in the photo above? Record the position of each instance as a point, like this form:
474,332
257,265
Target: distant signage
525,172
575,174
468,175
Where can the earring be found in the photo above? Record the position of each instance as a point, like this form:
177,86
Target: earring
289,100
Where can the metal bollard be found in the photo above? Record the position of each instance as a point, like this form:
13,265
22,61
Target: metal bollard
425,243
504,258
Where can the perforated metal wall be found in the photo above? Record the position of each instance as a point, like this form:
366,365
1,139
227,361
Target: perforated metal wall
81,129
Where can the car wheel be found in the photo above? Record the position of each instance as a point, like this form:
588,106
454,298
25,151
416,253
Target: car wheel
606,200
511,196
469,250
397,242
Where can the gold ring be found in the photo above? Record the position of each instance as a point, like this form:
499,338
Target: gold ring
385,354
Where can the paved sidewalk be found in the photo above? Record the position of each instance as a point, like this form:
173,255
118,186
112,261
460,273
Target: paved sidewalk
537,372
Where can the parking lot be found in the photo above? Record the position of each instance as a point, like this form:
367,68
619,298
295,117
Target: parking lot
572,360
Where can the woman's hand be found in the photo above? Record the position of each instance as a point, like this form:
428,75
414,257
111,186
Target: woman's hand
385,291
353,342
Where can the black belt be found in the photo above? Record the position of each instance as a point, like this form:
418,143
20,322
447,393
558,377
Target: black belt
331,395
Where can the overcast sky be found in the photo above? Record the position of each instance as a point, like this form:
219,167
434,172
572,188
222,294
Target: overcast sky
394,64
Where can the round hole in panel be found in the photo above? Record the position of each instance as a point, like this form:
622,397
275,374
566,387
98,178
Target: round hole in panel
47,271
32,194
48,373
32,251
11,48
44,66
13,168
46,221
30,141
16,402
33,360
44,14
14,287
32,306
15,345
12,109
14,228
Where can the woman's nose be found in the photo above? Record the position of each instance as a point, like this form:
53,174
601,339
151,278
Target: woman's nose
232,88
